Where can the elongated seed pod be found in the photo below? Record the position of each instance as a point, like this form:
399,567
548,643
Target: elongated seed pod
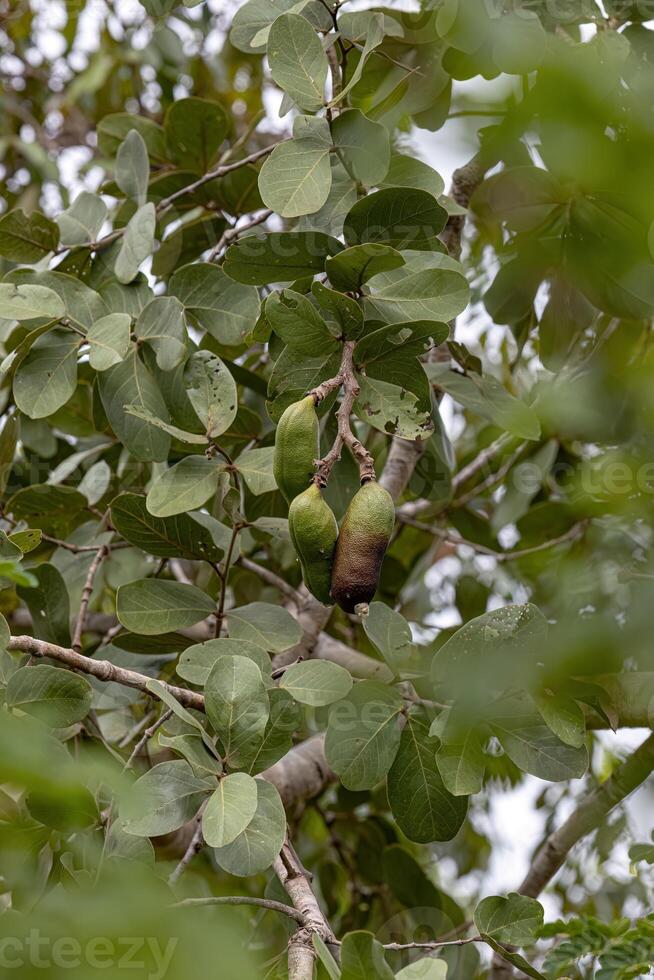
314,531
297,445
362,542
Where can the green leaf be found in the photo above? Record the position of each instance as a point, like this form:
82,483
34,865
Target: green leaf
515,919
25,302
258,845
113,129
236,701
225,309
297,177
184,487
82,304
363,734
185,716
362,958
398,217
8,443
460,759
563,716
192,438
345,310
133,167
296,321
390,633
493,647
353,267
392,409
52,509
252,22
163,799
261,750
161,324
256,468
195,131
519,42
425,811
137,243
363,146
270,627
329,963
279,257
55,696
195,663
27,238
485,396
211,390
515,959
418,292
170,537
230,809
414,338
109,340
297,61
294,374
316,682
186,241
426,968
82,221
533,747
153,606
407,171
130,382
49,605
47,378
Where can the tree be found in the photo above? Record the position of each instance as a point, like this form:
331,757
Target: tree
185,725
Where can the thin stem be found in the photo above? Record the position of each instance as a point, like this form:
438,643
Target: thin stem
230,234
572,534
195,846
101,553
347,379
223,575
266,576
147,735
264,903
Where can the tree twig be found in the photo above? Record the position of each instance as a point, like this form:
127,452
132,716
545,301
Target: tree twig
195,846
147,735
101,553
346,378
264,903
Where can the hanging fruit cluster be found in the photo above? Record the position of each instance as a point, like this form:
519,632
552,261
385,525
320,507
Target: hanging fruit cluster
337,566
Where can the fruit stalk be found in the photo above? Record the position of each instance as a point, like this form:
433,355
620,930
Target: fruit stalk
344,437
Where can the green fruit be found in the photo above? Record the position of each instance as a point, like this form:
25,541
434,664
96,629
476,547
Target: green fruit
314,531
297,446
365,534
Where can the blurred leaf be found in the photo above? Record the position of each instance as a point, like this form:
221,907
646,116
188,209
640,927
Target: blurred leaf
55,696
163,799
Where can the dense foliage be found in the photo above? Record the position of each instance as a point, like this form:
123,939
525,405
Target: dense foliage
214,216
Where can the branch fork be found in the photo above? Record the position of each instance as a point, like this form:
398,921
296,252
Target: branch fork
346,379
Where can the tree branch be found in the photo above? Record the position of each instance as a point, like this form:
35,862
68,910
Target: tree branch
295,880
587,816
102,551
264,903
